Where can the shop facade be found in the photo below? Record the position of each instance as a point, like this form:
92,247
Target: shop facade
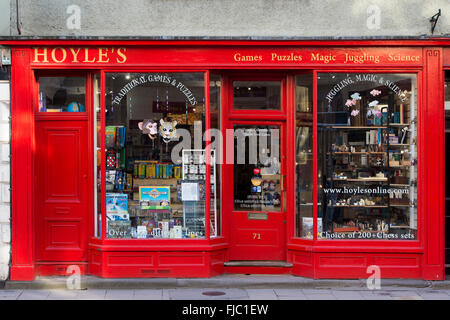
198,158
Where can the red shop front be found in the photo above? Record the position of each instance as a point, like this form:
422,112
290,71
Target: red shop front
198,158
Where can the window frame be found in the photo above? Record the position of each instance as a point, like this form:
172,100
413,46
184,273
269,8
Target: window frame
249,114
88,86
369,245
206,133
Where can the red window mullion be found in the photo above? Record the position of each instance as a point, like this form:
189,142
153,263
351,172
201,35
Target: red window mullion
207,160
102,146
315,190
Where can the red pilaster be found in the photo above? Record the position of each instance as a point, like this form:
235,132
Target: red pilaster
432,165
22,127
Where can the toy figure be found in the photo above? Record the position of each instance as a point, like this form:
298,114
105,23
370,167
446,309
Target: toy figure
167,130
148,127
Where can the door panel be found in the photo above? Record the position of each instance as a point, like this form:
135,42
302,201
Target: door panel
62,190
258,218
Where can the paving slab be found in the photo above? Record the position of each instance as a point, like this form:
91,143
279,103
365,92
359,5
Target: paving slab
320,296
34,295
63,295
408,298
9,294
434,294
92,294
207,294
371,295
261,294
290,294
403,293
119,294
434,297
165,294
348,295
316,291
148,294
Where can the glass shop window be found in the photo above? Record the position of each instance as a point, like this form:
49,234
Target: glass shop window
256,95
215,86
155,158
62,94
97,155
304,156
367,156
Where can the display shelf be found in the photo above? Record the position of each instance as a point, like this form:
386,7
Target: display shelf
362,180
399,124
346,229
400,144
352,206
398,167
351,153
141,146
359,128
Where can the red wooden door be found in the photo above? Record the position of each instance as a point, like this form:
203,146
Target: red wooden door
257,194
255,198
62,190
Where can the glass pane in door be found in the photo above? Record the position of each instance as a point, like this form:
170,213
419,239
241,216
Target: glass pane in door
257,179
256,95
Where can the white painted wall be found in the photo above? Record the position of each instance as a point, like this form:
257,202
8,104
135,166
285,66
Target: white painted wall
5,208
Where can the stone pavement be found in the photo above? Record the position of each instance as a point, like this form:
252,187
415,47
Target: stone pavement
223,281
225,287
398,293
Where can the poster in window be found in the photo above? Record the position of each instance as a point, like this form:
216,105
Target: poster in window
154,197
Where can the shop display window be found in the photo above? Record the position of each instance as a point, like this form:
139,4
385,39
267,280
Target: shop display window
256,95
367,156
215,86
97,156
304,156
62,94
155,159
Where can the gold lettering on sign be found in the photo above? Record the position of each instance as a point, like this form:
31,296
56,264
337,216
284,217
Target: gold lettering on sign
64,55
246,58
75,54
37,54
325,58
361,58
403,58
286,57
257,236
122,54
102,55
86,56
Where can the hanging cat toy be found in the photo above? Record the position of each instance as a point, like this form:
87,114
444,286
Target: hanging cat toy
167,131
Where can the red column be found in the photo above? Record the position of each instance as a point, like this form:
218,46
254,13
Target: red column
431,163
22,132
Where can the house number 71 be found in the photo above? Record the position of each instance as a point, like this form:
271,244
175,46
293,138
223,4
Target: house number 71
257,236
